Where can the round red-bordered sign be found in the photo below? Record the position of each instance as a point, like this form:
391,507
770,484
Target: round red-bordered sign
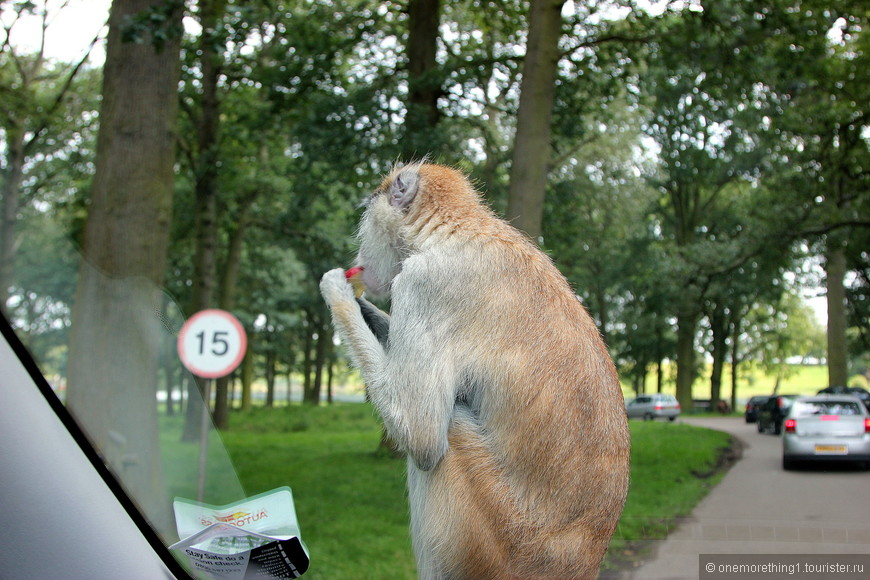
212,343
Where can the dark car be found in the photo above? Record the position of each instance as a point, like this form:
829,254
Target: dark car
862,394
772,413
752,406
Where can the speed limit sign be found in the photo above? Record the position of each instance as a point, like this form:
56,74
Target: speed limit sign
212,343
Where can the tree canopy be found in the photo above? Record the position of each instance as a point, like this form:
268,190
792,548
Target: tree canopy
689,163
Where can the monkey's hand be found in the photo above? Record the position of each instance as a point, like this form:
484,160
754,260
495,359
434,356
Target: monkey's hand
365,350
336,289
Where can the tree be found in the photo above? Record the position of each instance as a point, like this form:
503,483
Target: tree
35,96
116,333
531,154
824,147
424,82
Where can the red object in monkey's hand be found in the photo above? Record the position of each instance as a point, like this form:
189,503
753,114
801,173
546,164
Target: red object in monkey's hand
354,276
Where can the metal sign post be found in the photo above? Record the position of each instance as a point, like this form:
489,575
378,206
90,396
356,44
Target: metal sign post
211,344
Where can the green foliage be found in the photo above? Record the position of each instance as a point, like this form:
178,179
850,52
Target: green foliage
691,175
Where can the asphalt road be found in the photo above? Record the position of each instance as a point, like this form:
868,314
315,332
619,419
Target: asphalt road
758,508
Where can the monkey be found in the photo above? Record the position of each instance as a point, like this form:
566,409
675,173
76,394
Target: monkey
490,374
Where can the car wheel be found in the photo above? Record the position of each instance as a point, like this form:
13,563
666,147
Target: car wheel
648,417
758,426
787,463
777,428
672,419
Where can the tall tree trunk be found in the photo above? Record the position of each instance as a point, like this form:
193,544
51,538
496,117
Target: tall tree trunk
12,176
205,191
229,282
735,359
116,333
531,155
306,361
686,325
247,377
270,378
313,395
424,87
719,326
838,357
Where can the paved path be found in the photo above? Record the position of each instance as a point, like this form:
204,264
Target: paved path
758,508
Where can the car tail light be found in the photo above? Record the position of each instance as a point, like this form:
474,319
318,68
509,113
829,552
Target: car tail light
678,406
658,406
867,425
791,425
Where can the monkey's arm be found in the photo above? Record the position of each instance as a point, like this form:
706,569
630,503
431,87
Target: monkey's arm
412,384
376,319
366,350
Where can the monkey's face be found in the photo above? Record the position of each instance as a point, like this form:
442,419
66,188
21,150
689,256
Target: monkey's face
382,248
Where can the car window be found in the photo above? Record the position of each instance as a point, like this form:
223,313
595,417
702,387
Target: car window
141,437
810,408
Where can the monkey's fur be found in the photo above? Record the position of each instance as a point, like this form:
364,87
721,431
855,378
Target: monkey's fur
492,377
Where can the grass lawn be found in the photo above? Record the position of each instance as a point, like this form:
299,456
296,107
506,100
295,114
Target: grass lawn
352,502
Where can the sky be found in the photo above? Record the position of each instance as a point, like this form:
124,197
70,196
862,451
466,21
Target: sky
72,25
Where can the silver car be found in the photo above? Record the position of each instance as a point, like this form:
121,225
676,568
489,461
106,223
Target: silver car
826,428
653,406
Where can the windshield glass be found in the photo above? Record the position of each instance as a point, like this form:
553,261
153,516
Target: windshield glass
161,159
810,408
139,407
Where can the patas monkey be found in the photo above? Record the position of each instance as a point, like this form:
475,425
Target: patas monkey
492,377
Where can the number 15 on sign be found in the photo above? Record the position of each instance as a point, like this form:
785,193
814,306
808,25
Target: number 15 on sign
212,343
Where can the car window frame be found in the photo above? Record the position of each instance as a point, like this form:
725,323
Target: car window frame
90,462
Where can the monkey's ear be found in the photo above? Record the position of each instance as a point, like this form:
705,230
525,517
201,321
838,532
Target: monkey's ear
403,190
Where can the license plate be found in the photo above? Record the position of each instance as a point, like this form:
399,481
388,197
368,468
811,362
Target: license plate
831,450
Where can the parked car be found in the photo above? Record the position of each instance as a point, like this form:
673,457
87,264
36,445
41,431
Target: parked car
826,428
649,407
862,394
752,406
772,413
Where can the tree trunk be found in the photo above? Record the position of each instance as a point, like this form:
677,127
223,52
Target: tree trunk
116,335
229,282
205,191
11,191
423,86
686,325
531,153
735,360
270,378
247,377
313,395
718,324
307,358
838,357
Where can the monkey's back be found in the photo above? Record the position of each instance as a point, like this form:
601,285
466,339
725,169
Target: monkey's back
537,466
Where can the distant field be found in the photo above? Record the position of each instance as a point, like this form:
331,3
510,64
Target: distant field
797,379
